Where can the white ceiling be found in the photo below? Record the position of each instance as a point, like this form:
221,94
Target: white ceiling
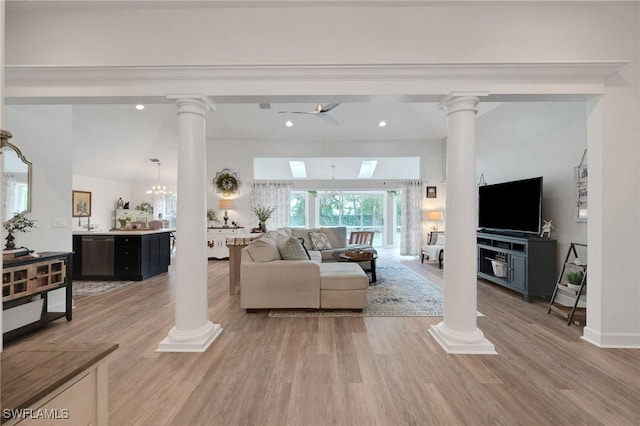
116,141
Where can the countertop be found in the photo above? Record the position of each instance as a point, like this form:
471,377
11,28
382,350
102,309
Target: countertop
32,370
125,232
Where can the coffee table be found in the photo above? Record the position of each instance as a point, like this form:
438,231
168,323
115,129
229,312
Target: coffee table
372,259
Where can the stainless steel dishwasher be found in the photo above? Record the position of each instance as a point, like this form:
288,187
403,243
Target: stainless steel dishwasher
97,255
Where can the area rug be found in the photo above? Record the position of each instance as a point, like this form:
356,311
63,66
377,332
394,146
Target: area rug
399,292
94,288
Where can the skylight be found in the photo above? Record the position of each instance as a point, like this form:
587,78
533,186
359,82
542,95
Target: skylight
298,169
367,167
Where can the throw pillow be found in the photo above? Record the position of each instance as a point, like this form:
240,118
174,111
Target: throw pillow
292,250
319,241
264,249
440,240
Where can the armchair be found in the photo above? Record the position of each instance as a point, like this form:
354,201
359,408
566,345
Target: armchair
434,249
364,238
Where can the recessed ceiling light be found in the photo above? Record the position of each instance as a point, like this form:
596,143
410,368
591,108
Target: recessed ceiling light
289,123
139,107
382,123
298,169
367,167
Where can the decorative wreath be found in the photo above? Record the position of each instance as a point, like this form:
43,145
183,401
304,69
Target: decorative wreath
227,182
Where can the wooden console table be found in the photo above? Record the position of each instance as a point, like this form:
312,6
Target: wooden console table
66,382
235,246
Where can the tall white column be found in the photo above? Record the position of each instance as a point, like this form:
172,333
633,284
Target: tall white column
193,332
458,332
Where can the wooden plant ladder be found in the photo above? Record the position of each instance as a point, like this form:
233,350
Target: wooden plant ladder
561,285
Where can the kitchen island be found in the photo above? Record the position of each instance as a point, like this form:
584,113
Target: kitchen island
135,254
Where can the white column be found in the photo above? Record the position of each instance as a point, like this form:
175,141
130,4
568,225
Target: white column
193,332
458,332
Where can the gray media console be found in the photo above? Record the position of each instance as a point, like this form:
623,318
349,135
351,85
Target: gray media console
526,264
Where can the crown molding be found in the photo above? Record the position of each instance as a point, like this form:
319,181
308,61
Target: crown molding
358,79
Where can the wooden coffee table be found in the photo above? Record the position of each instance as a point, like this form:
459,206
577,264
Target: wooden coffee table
372,259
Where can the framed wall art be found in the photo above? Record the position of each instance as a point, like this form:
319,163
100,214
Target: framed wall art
431,192
80,203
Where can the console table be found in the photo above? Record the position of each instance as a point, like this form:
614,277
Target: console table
26,282
217,241
526,264
67,382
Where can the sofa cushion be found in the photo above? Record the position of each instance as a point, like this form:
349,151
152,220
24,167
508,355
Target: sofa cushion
337,236
264,249
291,249
342,276
320,241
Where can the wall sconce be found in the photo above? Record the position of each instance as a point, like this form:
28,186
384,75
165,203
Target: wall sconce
434,216
225,204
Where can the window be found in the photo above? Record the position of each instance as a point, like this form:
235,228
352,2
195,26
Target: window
298,209
358,211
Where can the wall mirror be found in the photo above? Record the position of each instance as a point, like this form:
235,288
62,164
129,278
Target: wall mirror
16,179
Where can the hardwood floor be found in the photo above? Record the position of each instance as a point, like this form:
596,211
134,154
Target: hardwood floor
350,370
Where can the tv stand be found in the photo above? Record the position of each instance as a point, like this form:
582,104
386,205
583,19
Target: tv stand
525,264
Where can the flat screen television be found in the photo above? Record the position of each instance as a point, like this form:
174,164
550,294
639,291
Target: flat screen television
514,206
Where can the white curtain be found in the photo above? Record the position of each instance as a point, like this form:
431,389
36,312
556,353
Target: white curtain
410,234
272,194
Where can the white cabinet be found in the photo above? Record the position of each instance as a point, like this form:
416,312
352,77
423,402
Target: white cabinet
217,241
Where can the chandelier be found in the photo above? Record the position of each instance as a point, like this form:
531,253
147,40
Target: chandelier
158,190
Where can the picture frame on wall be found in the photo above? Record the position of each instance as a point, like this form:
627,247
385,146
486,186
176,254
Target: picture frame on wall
80,203
431,192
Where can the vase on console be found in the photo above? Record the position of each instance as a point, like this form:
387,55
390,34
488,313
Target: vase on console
262,226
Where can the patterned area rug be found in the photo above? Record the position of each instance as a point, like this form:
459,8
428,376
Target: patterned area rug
94,288
399,292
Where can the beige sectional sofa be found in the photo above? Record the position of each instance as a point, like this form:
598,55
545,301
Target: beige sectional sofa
276,274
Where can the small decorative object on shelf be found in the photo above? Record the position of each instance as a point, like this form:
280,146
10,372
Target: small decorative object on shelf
546,229
263,213
226,182
119,203
123,221
18,223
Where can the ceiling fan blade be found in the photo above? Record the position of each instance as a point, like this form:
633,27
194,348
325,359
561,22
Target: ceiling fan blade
329,119
329,107
297,112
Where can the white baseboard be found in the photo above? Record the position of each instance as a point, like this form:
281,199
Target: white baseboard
611,340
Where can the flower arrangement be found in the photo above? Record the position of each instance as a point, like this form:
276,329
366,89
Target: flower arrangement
123,221
19,223
263,213
211,215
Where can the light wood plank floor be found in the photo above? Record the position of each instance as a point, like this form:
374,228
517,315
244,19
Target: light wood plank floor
350,371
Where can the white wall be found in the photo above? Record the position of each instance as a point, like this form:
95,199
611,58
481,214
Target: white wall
525,140
45,138
438,33
104,196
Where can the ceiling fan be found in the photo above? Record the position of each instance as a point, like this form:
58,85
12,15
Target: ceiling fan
320,111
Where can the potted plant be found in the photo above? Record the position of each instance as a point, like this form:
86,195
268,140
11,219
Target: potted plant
212,218
574,279
123,221
263,213
18,223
